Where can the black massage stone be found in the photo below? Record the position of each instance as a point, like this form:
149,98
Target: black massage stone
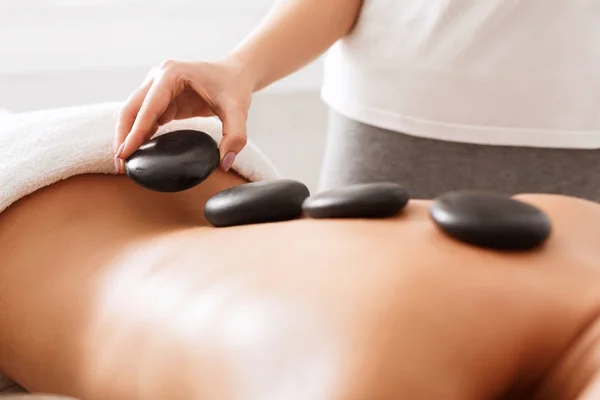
365,200
256,203
490,220
174,162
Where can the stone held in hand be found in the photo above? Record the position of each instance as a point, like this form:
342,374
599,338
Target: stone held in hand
491,220
257,202
365,200
174,162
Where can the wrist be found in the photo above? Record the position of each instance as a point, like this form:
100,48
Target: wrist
248,68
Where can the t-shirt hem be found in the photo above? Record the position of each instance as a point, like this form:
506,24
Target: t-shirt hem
463,133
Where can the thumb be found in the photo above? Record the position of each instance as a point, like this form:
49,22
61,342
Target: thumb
234,137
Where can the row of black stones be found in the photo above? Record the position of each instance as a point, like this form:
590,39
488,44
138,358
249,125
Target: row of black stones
285,199
180,160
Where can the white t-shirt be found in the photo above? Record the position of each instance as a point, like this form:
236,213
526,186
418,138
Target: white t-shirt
499,72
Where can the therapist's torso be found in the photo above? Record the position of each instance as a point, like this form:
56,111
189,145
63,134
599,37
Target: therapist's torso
502,72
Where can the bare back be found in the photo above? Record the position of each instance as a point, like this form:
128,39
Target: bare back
111,291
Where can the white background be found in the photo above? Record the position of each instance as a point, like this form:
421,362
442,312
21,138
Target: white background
56,53
122,39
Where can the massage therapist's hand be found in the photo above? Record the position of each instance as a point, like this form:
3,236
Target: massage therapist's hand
294,33
181,90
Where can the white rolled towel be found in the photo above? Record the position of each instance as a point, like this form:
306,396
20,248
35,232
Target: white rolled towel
40,148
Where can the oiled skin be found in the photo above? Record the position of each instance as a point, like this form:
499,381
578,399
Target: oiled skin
109,291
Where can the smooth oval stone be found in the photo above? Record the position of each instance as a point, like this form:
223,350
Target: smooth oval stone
174,162
366,200
257,202
490,220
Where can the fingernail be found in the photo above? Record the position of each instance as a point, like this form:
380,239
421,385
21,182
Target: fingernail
117,165
120,151
228,161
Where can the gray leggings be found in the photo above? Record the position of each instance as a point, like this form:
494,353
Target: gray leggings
358,153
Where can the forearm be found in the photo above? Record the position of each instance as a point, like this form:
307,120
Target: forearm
295,33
